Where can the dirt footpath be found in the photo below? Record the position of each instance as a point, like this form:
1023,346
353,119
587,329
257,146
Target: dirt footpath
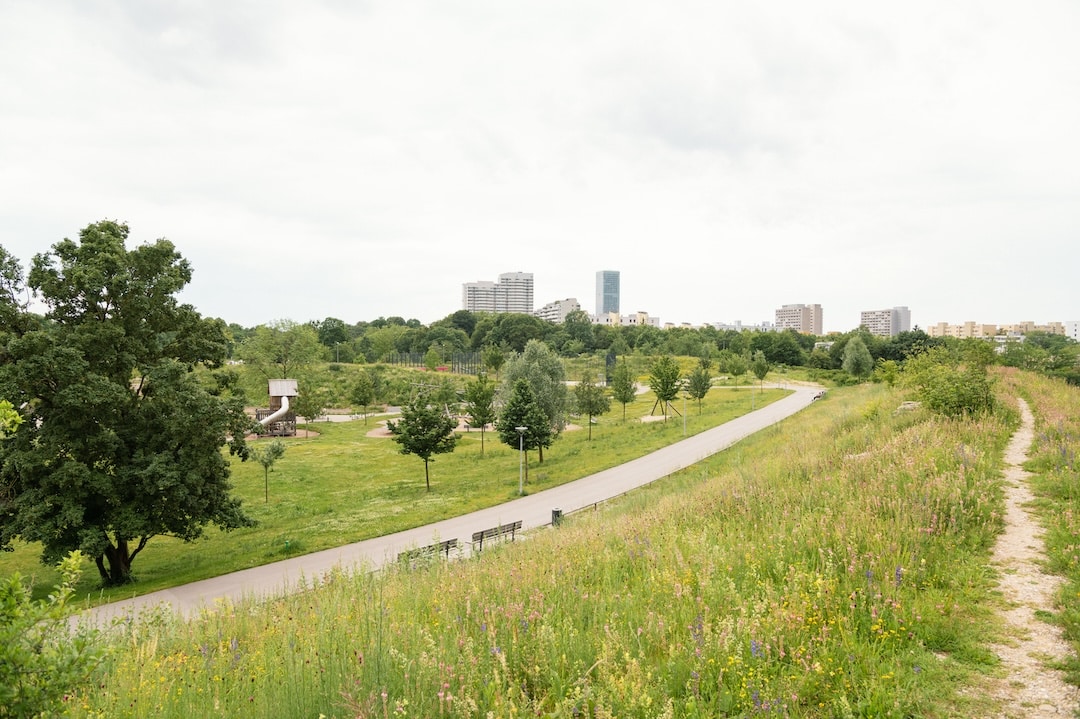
1028,689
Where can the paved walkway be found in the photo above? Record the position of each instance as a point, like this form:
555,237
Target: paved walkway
533,510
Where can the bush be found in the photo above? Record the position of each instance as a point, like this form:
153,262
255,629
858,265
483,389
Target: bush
948,387
42,659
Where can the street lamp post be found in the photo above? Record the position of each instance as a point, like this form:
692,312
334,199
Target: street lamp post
686,391
521,459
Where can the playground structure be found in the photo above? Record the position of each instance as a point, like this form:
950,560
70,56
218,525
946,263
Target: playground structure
279,420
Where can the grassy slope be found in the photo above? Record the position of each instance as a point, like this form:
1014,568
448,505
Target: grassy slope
835,565
344,486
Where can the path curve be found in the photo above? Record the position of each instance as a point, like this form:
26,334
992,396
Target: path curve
534,510
1028,689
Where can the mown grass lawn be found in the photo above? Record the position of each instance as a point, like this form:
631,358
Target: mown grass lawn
344,486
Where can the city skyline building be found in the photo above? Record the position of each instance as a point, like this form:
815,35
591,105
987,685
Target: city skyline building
557,311
886,323
806,319
512,293
607,292
970,329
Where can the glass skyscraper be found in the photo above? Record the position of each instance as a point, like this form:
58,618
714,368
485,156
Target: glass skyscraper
607,292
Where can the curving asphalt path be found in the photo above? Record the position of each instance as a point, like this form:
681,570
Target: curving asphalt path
533,511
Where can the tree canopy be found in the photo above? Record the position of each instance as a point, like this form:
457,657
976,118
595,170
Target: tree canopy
120,442
857,360
279,350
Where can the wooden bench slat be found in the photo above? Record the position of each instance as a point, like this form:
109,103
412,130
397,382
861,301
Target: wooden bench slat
443,547
494,532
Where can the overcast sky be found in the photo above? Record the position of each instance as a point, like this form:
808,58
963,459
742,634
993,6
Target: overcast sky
365,159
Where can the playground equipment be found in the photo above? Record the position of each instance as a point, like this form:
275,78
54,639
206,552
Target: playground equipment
279,420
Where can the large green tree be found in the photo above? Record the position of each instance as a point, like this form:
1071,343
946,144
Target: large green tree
281,349
544,372
331,332
120,441
857,361
424,429
516,330
579,328
664,376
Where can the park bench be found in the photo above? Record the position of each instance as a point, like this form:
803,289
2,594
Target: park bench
499,532
431,550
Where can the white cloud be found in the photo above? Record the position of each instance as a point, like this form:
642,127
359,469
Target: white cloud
727,158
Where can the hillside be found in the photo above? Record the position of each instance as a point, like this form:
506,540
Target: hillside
835,565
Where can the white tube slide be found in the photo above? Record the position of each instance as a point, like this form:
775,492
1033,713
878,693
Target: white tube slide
284,410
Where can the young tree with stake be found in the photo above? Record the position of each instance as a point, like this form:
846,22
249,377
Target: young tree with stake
424,430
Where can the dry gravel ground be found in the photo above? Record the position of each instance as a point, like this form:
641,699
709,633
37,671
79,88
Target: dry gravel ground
1028,688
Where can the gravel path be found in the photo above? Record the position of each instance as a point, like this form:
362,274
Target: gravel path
1028,689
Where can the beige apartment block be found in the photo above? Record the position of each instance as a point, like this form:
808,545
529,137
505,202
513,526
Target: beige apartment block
1024,328
801,318
886,323
973,329
967,330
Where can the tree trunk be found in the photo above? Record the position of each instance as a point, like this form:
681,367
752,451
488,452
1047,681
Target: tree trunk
119,559
427,476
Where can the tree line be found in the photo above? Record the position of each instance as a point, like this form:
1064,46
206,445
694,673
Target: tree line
463,331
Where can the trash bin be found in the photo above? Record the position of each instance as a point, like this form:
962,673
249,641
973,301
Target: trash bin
556,517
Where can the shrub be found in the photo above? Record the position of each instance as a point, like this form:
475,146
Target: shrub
948,387
42,659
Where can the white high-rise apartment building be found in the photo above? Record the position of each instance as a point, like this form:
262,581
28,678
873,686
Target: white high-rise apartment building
512,293
886,323
607,292
558,310
801,318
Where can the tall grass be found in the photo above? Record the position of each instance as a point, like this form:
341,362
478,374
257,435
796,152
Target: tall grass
834,565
